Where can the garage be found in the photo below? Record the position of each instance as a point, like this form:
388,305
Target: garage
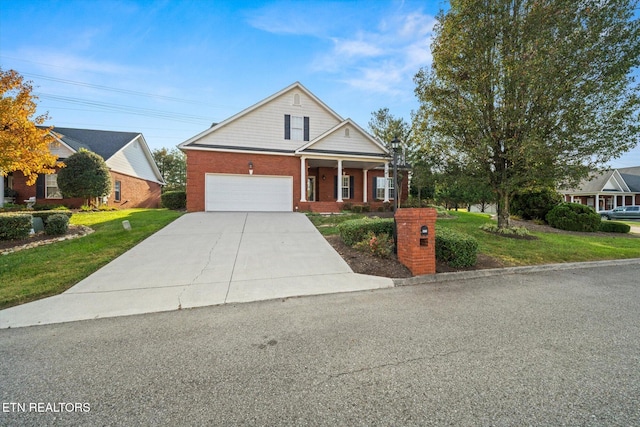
225,192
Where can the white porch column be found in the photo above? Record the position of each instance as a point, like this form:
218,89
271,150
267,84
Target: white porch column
339,182
615,201
303,179
386,182
624,199
597,206
364,185
1,190
572,199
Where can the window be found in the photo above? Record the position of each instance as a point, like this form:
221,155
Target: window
116,190
296,128
346,187
380,188
51,187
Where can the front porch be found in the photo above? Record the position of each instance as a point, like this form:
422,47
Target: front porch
603,201
363,182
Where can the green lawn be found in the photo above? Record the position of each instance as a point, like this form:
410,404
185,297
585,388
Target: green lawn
548,248
51,269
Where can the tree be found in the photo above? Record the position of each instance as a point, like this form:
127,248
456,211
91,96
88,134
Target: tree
173,167
384,126
531,92
23,146
86,175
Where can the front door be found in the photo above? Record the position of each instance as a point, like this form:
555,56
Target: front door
311,189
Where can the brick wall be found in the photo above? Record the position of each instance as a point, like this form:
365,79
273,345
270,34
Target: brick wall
419,255
200,163
134,192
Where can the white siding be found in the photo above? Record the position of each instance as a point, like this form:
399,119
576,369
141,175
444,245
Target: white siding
60,150
355,142
132,161
263,128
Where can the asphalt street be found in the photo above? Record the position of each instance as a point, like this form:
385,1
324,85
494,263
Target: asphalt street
545,348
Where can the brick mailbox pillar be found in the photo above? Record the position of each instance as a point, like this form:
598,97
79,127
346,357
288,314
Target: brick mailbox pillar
416,229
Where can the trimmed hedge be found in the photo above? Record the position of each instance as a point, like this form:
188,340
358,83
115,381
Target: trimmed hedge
15,226
56,224
614,227
455,248
574,217
174,200
534,204
356,230
45,215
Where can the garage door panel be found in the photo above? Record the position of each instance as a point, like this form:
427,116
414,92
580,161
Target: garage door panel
248,193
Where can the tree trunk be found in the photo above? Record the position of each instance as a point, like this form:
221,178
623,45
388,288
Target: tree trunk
503,210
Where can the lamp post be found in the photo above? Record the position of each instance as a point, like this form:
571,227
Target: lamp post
395,144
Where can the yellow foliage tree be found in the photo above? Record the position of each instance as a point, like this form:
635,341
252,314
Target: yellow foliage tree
24,147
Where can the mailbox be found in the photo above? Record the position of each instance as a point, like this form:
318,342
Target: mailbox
424,235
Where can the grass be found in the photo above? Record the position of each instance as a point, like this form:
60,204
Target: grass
51,269
549,248
328,224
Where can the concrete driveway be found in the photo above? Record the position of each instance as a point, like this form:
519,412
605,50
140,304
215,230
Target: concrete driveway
205,259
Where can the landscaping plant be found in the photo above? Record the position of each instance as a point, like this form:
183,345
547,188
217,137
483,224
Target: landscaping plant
574,217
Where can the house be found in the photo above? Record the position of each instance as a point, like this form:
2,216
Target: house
608,189
136,180
288,152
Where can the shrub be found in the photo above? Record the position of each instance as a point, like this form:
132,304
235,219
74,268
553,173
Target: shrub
174,200
356,230
380,245
15,226
509,231
455,248
532,204
614,227
45,215
574,217
347,206
357,209
56,224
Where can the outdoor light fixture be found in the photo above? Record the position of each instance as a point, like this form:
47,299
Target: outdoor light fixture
395,145
250,168
324,177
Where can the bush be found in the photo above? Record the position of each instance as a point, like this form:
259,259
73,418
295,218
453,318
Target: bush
357,209
614,227
532,204
356,230
509,231
455,248
15,226
379,245
56,224
174,200
574,217
45,215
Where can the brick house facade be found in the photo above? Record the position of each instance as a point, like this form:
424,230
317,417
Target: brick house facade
136,181
286,153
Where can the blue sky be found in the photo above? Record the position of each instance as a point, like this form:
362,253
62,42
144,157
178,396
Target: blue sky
168,69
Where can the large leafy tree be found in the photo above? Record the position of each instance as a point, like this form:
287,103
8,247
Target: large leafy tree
173,167
531,92
23,146
86,175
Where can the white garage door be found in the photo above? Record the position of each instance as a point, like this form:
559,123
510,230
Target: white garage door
248,193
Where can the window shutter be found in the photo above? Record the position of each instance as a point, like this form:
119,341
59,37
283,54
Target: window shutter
40,187
374,187
287,126
335,187
352,181
306,128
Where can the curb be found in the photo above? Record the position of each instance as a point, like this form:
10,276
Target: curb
465,275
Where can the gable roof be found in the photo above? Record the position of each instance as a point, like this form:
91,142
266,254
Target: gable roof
612,180
102,142
369,147
111,146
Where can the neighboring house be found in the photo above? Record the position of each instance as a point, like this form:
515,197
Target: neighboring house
607,190
136,180
288,152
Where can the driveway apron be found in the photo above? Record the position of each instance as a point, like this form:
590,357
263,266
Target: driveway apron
205,258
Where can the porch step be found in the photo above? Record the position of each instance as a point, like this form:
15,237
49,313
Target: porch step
325,207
